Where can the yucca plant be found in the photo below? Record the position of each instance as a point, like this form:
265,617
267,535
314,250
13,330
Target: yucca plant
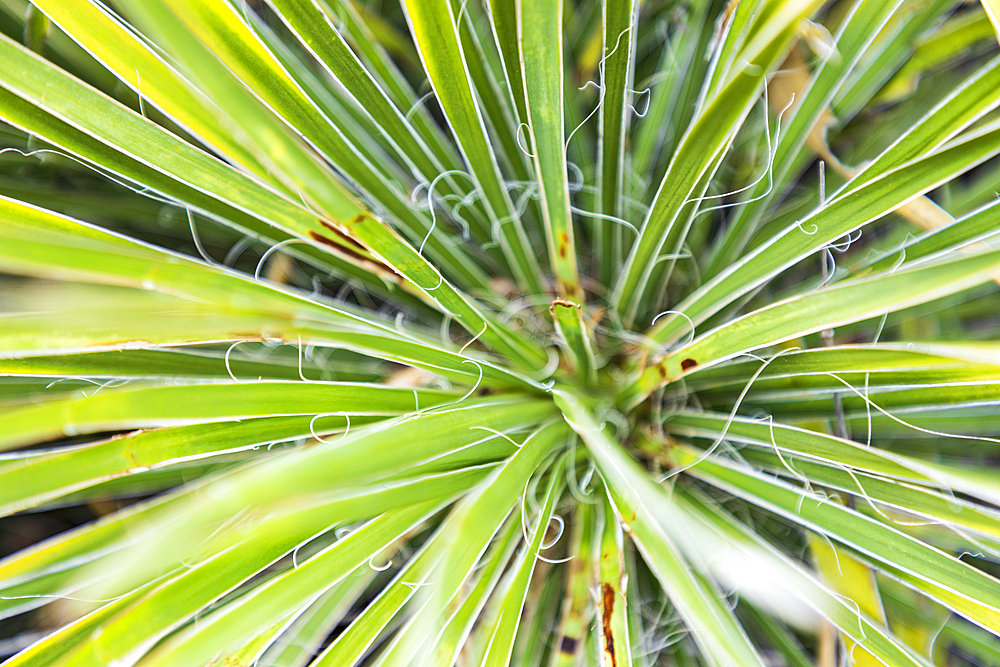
511,332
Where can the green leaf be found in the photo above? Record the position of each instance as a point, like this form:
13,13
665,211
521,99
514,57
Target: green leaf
429,280
292,589
963,234
432,23
458,627
851,210
129,145
613,603
352,644
502,635
857,30
471,527
50,650
149,75
568,319
705,140
644,508
822,309
542,70
959,586
576,612
616,97
313,25
830,450
123,409
843,612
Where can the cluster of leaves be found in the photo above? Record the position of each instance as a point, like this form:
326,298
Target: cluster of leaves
510,332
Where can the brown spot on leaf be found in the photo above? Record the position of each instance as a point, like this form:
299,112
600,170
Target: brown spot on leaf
322,239
366,262
563,244
688,363
340,234
607,608
129,453
567,288
662,371
345,250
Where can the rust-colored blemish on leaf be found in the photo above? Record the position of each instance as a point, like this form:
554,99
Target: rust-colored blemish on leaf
662,371
563,244
356,256
129,453
347,238
607,608
333,244
567,288
688,363
322,239
340,233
